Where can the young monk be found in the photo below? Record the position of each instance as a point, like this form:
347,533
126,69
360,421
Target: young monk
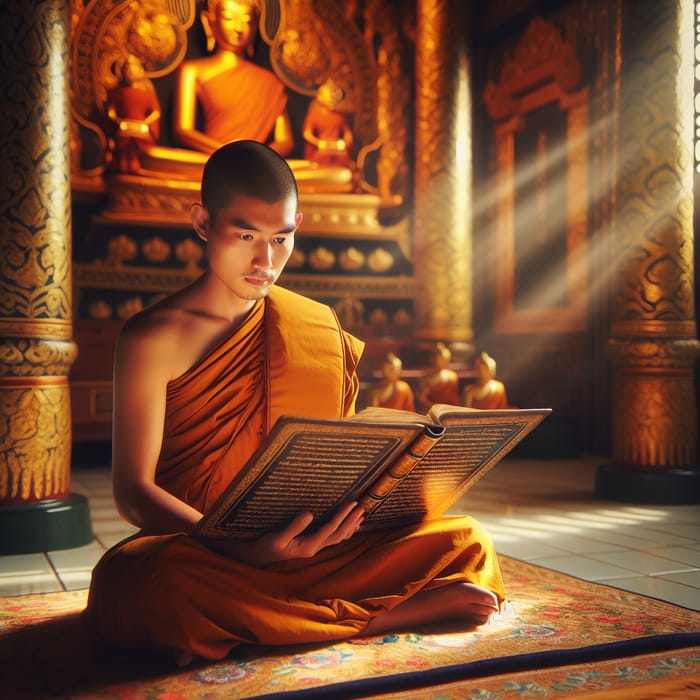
199,380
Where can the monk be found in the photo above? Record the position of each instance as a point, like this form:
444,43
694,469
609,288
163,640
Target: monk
199,379
392,391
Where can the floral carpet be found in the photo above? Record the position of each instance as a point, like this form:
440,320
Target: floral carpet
559,637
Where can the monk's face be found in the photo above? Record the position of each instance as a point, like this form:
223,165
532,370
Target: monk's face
249,243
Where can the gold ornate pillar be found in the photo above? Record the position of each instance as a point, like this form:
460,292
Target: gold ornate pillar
654,345
443,172
37,510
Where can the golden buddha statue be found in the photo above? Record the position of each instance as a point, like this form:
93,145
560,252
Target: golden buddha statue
391,391
441,384
238,100
487,392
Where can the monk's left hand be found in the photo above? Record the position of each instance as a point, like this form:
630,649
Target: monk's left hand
290,543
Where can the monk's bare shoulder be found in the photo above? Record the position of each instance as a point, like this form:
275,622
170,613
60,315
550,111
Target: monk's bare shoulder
167,337
172,335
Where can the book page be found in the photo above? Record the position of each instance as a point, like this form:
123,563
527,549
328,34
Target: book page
311,466
472,444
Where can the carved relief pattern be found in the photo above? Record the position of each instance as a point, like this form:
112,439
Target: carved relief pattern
658,420
107,30
355,60
443,302
35,432
35,226
656,206
393,93
36,357
34,194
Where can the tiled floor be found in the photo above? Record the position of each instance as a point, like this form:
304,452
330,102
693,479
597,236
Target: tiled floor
539,511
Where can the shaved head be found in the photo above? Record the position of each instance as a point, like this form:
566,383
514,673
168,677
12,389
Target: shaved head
245,168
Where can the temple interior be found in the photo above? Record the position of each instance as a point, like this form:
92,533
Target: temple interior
500,189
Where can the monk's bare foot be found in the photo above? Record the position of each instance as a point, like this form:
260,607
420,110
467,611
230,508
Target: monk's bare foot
456,602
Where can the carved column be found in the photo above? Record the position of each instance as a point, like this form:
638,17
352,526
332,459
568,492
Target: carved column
443,172
37,510
654,344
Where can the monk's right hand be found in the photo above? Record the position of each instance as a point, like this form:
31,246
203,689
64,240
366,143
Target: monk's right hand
290,543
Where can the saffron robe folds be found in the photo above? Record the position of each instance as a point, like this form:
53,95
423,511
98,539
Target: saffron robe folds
171,591
242,102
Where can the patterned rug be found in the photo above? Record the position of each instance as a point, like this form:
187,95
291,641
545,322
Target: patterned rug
559,637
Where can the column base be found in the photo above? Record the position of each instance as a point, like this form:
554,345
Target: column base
669,487
45,526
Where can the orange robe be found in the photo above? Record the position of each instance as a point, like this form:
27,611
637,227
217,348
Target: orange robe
242,103
170,591
494,398
401,396
441,389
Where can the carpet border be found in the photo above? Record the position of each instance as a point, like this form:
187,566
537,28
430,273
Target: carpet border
415,680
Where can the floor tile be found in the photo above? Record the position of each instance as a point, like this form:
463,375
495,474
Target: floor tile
584,567
77,557
687,596
26,584
27,564
76,580
687,578
642,562
528,550
683,555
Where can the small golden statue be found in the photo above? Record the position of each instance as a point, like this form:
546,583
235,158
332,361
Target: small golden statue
134,111
326,130
440,385
391,391
487,392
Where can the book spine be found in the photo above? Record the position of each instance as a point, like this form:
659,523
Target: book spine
383,486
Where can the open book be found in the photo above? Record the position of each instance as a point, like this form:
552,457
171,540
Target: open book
402,467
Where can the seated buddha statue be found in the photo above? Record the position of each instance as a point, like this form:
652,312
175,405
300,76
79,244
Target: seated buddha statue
391,391
237,99
134,114
440,384
487,392
326,130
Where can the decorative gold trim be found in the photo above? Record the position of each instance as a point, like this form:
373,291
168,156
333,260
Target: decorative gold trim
319,285
53,328
674,329
145,279
32,382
